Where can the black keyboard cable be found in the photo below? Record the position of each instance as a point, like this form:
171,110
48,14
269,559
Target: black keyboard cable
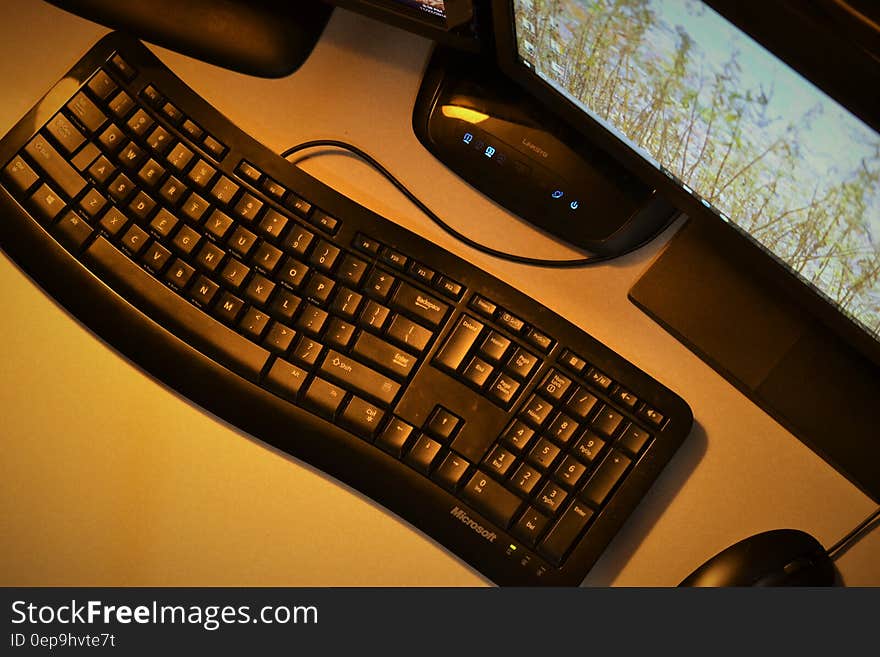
511,257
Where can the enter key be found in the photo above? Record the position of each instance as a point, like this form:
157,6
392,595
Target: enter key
384,355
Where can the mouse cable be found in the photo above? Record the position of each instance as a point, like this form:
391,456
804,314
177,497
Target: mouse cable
834,549
511,257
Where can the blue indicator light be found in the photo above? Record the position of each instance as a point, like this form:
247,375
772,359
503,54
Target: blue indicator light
573,205
557,194
489,151
468,137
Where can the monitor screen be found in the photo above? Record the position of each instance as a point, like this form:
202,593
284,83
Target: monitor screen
728,122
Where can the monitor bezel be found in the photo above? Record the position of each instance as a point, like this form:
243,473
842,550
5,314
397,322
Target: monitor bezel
759,261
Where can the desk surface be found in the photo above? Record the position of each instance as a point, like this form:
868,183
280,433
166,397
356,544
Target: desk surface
110,478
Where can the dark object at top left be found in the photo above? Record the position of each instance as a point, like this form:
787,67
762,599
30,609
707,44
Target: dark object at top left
262,37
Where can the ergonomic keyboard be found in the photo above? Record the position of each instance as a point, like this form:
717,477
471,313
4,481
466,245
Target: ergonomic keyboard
481,417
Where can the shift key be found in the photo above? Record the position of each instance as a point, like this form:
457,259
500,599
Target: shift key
359,378
55,166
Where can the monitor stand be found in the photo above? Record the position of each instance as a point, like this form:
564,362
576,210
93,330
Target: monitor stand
777,354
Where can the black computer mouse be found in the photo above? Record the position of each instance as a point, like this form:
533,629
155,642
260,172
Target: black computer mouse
782,557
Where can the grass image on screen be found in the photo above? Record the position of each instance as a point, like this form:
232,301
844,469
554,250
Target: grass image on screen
748,136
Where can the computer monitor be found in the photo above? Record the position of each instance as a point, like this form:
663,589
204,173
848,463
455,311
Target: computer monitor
763,124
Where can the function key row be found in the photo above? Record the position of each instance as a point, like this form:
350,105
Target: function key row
293,202
171,113
491,310
401,262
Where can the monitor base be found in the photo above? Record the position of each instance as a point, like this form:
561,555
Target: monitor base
779,356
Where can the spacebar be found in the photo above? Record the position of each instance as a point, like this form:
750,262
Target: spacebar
174,313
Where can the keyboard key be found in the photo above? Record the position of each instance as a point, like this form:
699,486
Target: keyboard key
135,239
383,355
374,315
625,397
299,205
494,346
156,257
423,306
123,67
536,411
543,453
131,155
242,241
93,202
214,147
319,288
421,272
451,471
395,437
311,319
86,156
121,105
483,305
112,138
114,221
379,284
279,338
581,403
249,171
203,291
195,207
525,479
605,478
258,290
65,133
323,397
551,498
588,447
323,220
201,174
218,224
512,322
151,173
180,156
499,462
518,435
359,378
570,471
228,307
339,333
423,454
565,532
285,379
272,224
141,206
102,85
152,95
555,385
159,140
459,342
178,315
599,379
86,112
47,202
394,258
324,256
284,304
191,128
539,339
186,241
443,424
607,421
477,372
266,257
298,240
210,256
293,272
362,418
20,174
366,244
491,499
633,439
346,302
351,270
55,166
530,526
562,428
140,123
504,389
179,274
172,112
224,190
307,351
72,230
653,416
409,334
233,272
253,323
449,287
172,191
274,188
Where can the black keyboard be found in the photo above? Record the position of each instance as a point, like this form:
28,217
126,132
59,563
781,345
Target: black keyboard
478,415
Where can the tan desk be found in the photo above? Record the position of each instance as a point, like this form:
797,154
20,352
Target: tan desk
109,478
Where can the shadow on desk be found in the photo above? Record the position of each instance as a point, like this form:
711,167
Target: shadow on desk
665,488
